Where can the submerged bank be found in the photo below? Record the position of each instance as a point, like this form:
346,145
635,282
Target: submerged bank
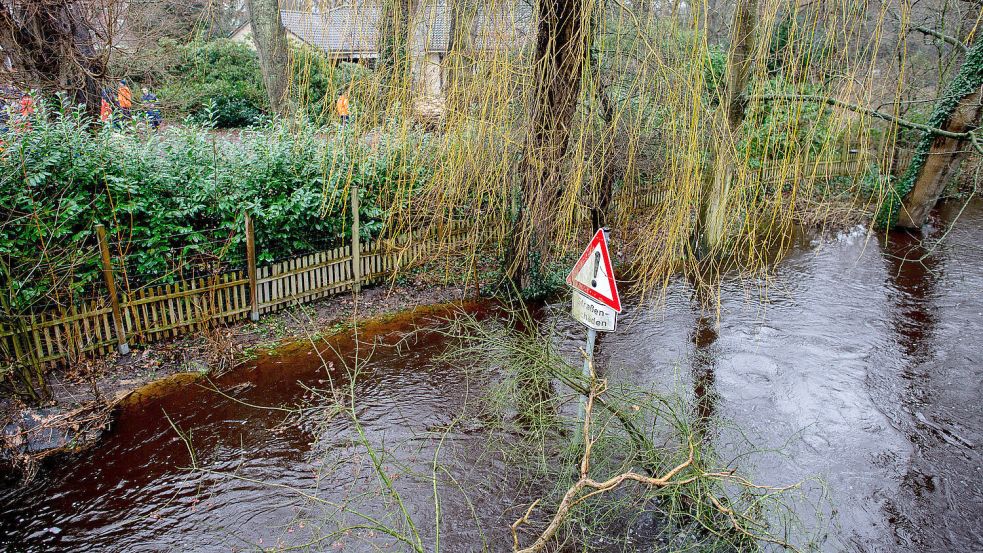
84,397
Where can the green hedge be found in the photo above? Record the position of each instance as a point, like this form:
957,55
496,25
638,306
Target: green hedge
218,79
168,197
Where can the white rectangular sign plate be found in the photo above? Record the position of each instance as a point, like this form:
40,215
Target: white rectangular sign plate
593,314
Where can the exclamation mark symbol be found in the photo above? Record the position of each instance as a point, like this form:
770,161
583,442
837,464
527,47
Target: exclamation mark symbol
597,265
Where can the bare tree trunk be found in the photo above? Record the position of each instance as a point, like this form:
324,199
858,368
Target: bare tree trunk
937,158
711,224
51,47
394,44
561,36
271,45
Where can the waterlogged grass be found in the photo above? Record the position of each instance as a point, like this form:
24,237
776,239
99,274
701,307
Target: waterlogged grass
404,490
532,423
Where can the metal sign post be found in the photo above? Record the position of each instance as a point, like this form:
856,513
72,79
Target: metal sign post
596,303
588,360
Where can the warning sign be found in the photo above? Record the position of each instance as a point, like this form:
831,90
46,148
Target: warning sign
592,274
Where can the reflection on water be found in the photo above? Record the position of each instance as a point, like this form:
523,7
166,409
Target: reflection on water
858,363
913,270
936,401
133,492
702,367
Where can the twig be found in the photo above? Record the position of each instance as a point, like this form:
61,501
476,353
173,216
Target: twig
575,494
524,520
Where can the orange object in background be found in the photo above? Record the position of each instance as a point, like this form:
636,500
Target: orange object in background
105,110
26,106
124,97
342,105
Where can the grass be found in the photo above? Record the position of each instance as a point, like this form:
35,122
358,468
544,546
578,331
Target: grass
522,411
711,508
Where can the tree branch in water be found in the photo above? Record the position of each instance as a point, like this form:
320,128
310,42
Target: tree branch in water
586,487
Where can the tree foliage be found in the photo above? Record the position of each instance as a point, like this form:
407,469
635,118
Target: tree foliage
219,78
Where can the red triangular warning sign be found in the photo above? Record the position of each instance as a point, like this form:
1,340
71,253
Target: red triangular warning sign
593,276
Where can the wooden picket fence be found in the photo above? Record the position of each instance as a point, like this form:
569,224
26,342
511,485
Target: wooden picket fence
155,313
852,159
311,277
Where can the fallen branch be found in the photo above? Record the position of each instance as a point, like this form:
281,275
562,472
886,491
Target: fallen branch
586,487
573,496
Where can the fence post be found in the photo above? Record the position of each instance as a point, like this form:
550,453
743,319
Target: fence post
356,253
107,273
251,260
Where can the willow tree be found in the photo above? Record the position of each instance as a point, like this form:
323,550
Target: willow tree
271,45
460,38
562,33
608,172
394,63
52,46
712,220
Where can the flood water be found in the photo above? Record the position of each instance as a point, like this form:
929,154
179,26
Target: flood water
856,368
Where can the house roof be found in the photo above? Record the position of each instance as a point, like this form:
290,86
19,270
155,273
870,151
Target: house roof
353,29
345,30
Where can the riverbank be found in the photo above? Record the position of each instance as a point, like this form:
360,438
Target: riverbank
84,397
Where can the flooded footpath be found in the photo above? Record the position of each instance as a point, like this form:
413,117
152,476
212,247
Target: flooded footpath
856,368
859,365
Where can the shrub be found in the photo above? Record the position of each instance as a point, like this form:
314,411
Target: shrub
174,196
779,130
316,82
714,69
798,47
221,75
219,81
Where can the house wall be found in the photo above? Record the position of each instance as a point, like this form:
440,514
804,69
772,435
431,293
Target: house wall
428,76
245,36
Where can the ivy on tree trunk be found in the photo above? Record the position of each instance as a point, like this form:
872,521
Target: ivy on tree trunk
938,157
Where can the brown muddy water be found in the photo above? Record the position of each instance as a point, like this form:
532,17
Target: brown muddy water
856,368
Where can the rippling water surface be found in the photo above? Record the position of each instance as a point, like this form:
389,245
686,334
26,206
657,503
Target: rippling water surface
860,360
